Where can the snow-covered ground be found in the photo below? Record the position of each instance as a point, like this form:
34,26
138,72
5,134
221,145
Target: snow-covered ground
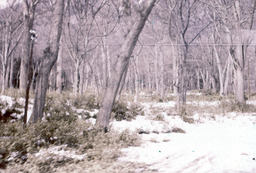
212,144
223,144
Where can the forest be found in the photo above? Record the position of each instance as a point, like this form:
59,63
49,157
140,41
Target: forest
68,65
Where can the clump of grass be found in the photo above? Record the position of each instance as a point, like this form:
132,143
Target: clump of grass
51,163
156,97
158,117
57,105
178,130
187,119
252,96
186,116
136,109
207,95
121,111
233,106
16,93
85,102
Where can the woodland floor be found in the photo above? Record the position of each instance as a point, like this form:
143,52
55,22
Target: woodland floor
213,136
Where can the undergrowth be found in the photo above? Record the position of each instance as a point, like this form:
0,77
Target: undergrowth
61,127
18,143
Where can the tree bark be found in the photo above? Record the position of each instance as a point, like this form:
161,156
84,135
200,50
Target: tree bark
122,62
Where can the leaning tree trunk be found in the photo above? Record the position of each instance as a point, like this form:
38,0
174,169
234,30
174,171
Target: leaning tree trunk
48,61
122,62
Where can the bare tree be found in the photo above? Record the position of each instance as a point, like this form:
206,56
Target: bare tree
180,25
122,62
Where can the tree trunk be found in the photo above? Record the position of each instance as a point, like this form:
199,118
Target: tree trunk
76,78
149,77
3,77
81,83
182,84
59,70
137,81
104,67
106,62
41,89
238,57
175,68
121,64
162,88
122,83
156,70
227,78
12,72
28,13
213,84
239,86
198,79
220,70
48,61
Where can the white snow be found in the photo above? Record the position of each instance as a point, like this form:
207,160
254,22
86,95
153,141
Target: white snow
6,100
224,144
9,102
59,151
